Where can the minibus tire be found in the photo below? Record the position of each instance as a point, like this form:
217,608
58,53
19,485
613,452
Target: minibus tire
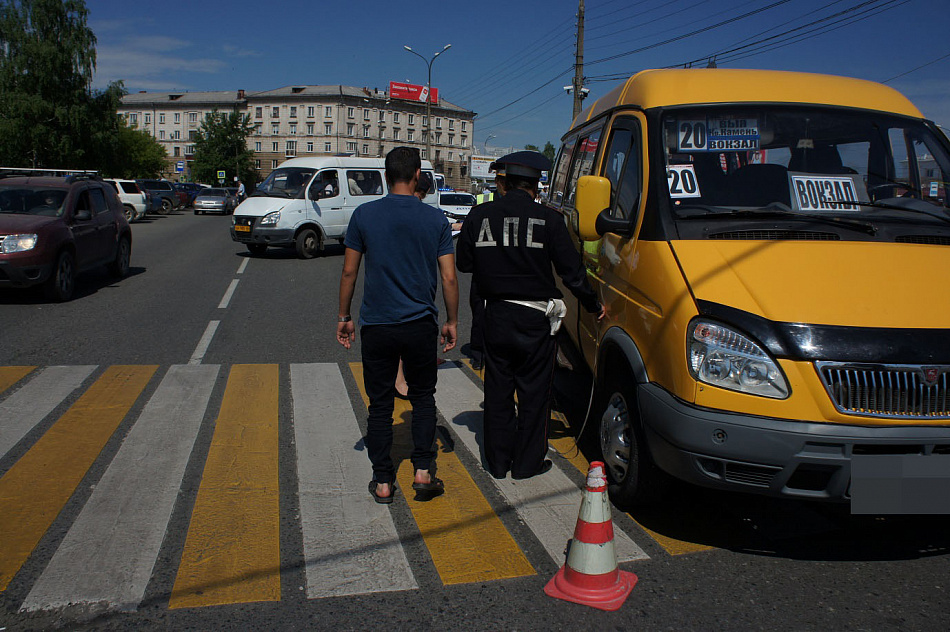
308,243
640,482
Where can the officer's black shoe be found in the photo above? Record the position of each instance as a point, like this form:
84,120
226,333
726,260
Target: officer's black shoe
478,364
545,466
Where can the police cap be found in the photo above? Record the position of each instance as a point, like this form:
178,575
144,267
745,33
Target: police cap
527,164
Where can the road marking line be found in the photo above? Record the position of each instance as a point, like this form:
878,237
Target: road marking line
350,543
10,375
243,266
547,504
204,343
108,555
228,294
36,399
31,496
466,540
232,551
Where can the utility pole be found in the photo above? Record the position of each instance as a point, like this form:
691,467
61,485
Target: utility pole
579,61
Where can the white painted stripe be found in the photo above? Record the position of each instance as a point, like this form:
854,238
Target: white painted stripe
204,343
350,543
36,399
108,555
548,504
228,294
592,559
243,266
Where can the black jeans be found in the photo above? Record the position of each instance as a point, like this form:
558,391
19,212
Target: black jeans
416,342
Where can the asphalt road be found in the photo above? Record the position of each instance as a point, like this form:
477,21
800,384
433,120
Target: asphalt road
705,561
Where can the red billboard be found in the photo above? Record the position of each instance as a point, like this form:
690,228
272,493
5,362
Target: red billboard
412,92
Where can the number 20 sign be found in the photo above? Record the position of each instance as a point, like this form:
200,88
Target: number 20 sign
682,181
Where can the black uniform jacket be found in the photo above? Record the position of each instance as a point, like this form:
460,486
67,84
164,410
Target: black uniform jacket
510,245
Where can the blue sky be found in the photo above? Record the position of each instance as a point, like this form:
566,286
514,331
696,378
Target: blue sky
510,60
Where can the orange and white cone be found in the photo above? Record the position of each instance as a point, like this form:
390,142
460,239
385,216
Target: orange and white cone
590,576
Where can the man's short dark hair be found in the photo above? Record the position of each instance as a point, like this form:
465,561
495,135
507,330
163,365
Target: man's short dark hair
402,164
520,182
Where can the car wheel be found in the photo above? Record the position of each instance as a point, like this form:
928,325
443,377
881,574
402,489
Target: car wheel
123,257
307,244
634,478
129,213
166,206
257,249
62,282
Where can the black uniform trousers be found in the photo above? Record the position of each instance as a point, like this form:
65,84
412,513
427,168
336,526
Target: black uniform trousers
519,357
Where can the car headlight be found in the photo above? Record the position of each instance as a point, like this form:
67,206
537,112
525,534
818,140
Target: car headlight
723,357
18,243
270,219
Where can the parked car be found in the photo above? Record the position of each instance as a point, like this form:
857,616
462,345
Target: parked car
214,201
165,190
187,191
53,227
132,197
456,205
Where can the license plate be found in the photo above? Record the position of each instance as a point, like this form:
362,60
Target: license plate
242,229
900,484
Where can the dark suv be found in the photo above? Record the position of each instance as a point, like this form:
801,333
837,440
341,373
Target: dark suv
53,227
164,190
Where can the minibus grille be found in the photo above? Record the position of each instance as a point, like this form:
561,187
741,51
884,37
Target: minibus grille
932,240
897,391
775,235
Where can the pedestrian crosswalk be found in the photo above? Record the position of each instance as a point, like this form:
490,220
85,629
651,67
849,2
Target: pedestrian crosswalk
56,421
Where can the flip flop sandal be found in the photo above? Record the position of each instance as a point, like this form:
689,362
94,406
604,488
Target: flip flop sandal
429,490
382,500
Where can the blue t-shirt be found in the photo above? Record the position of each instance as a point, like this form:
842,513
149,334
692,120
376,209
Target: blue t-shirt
400,239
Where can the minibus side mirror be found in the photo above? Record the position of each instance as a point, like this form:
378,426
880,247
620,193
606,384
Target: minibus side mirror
591,199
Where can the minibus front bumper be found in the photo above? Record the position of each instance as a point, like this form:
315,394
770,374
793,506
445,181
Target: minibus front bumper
250,233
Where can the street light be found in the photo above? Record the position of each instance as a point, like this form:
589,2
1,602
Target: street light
485,144
429,96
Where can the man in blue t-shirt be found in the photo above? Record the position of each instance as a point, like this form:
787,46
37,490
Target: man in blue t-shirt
407,246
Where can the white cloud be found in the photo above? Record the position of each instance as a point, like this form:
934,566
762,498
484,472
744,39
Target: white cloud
138,65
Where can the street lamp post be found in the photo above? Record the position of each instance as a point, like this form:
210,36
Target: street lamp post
485,144
429,96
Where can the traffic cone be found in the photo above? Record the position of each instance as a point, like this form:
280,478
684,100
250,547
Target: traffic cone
590,576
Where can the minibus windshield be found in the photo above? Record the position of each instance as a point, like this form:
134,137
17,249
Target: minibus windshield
804,160
287,182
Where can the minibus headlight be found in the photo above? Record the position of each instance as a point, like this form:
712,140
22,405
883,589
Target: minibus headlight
723,357
18,243
270,219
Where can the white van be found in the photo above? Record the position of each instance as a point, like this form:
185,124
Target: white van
306,201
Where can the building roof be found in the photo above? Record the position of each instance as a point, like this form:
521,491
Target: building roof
305,91
219,97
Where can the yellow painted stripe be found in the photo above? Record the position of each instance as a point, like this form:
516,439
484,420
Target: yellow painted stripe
467,541
10,375
232,551
562,439
35,489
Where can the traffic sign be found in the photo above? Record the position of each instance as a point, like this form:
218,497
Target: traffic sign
221,174
180,166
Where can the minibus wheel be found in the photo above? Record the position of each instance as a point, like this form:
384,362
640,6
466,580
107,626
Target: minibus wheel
633,476
308,243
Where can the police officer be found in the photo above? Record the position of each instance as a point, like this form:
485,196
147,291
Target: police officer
510,244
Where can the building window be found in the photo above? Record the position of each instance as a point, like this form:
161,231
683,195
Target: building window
438,138
450,172
463,126
423,154
409,135
382,116
189,150
275,112
133,120
451,139
366,131
438,122
275,146
451,123
310,147
450,156
148,118
464,142
176,151
425,121
257,146
310,110
366,114
328,128
293,111
365,149
259,112
309,129
349,129
328,110
412,119
395,134
161,118
161,134
291,148
293,129
328,147
178,117
257,163
275,129
192,117
192,134
395,117
351,147
176,135
273,164
350,112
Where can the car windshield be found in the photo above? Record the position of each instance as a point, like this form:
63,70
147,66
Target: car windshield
457,199
32,200
797,160
287,182
212,193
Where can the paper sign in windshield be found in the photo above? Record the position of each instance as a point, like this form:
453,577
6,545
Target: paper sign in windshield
824,193
682,181
719,134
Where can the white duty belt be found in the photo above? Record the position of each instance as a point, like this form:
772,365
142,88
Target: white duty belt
554,309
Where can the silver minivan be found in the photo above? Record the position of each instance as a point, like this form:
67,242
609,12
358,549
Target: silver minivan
306,201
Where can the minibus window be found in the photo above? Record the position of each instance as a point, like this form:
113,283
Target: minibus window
560,170
364,182
583,163
622,168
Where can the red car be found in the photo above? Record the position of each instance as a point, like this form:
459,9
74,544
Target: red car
52,228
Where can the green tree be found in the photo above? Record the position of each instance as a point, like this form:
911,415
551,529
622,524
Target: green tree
221,145
49,116
549,151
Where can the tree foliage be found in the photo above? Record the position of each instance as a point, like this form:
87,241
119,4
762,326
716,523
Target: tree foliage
221,145
49,114
549,151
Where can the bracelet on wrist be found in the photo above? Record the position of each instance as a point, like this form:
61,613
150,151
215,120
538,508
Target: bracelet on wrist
345,319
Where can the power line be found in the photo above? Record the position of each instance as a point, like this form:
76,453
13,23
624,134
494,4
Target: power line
929,63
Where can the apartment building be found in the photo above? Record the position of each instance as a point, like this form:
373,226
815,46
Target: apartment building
308,120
